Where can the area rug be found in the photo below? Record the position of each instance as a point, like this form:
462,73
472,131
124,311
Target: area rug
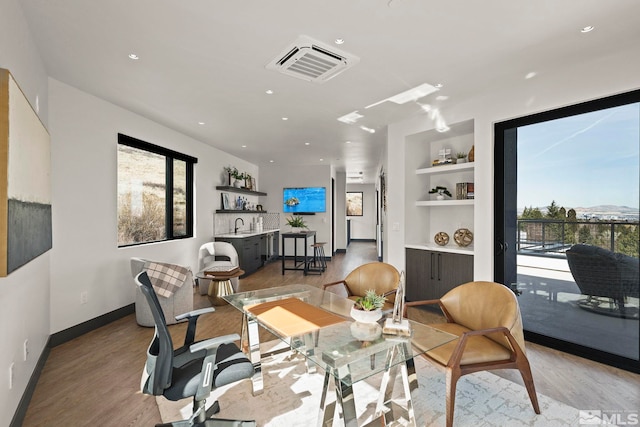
292,398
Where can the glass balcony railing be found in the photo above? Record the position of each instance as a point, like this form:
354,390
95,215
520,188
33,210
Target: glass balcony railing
551,238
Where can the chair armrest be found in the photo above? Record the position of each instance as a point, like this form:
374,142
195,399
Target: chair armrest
209,366
213,343
195,313
344,287
190,335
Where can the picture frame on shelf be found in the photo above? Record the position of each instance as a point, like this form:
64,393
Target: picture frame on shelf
254,185
225,201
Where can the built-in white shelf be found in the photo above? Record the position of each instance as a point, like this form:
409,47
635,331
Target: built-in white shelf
430,203
469,166
451,247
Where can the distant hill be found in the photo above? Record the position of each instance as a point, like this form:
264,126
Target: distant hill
601,211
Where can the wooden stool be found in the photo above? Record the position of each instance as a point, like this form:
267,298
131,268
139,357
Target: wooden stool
318,263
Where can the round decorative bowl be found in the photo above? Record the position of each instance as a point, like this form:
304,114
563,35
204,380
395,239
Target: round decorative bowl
366,316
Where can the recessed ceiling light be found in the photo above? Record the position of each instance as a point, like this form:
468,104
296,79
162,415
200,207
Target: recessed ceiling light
366,129
285,118
307,143
442,97
133,56
339,41
438,85
347,142
322,160
269,92
587,29
201,123
270,161
530,75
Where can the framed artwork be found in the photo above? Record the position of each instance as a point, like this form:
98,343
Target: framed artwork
254,187
354,203
25,180
225,201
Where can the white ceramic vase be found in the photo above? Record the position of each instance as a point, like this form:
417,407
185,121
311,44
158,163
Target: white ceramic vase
366,316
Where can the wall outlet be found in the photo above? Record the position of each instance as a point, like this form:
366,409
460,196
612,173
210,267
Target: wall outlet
25,350
11,375
84,297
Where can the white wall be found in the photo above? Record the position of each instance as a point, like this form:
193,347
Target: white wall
24,294
552,88
274,178
86,257
364,227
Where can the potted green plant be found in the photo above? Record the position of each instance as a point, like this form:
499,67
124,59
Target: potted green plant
461,157
368,308
440,191
236,175
296,222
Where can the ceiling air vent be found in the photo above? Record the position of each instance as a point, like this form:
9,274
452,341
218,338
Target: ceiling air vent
309,60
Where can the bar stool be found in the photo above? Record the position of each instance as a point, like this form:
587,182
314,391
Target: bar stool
319,263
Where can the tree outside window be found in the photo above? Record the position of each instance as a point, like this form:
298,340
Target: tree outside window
155,196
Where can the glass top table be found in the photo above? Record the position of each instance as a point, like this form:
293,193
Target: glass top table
347,351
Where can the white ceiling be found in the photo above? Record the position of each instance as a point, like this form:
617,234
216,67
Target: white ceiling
204,61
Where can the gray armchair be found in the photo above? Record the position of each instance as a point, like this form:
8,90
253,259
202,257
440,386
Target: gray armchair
216,254
181,301
600,273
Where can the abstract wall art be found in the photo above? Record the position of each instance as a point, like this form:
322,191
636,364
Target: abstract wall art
25,179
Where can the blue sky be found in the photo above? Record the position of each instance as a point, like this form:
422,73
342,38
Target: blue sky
581,161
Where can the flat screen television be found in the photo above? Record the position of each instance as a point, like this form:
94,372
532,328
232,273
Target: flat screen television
302,200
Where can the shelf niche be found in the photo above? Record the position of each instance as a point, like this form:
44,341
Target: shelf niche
426,215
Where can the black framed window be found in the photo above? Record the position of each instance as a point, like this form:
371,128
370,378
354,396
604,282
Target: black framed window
155,193
354,203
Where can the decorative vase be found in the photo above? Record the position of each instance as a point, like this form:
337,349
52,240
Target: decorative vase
440,197
237,183
366,316
472,155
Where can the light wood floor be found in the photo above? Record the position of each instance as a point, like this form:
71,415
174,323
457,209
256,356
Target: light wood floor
94,379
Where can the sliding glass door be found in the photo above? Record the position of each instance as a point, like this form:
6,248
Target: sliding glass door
567,233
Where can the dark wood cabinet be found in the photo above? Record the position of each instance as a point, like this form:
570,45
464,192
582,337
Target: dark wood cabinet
253,251
431,274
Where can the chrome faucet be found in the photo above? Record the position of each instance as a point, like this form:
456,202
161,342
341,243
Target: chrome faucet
236,225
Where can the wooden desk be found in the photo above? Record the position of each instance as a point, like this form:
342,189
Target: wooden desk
302,264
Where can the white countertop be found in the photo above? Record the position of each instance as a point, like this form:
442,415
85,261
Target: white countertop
451,247
244,233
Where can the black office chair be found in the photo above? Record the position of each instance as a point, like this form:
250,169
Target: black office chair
193,370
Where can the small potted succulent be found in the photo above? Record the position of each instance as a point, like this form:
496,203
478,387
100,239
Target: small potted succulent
368,308
461,157
440,191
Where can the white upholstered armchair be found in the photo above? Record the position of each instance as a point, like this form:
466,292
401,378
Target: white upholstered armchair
216,254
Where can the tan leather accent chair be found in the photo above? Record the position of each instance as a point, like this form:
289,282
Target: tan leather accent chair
486,318
383,278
